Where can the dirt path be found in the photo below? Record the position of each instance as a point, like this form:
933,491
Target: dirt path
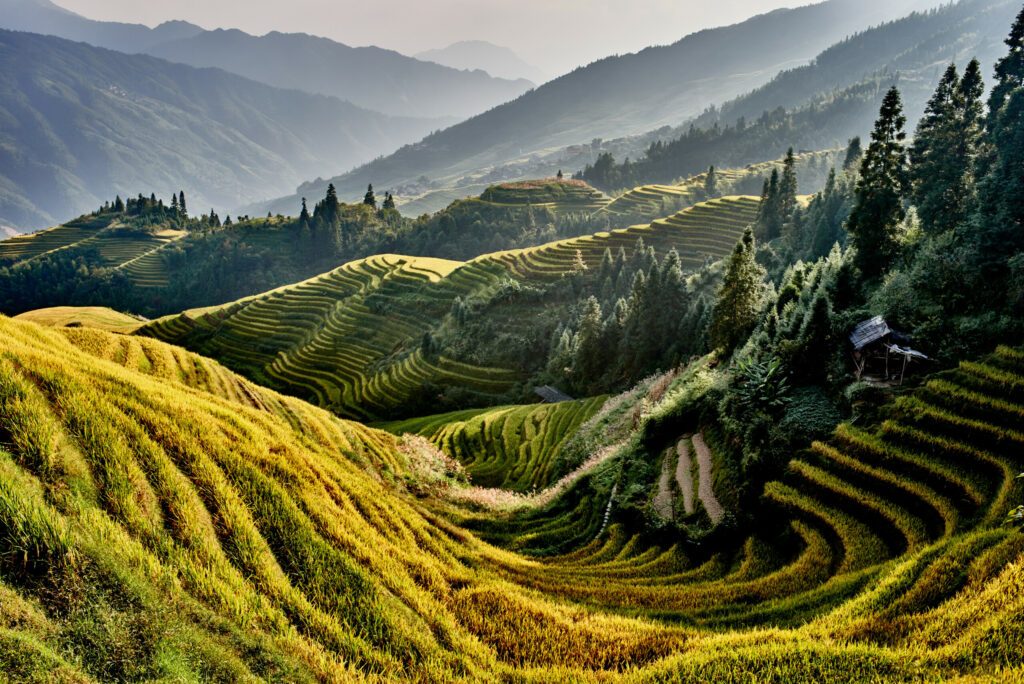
663,499
705,486
684,473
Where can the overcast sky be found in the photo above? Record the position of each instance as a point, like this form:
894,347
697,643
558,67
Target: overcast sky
555,35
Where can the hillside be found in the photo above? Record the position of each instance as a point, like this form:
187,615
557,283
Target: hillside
400,86
819,105
148,531
479,54
354,336
80,124
616,96
153,261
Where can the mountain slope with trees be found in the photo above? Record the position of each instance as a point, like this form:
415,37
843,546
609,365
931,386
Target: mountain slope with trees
619,95
79,124
370,77
822,104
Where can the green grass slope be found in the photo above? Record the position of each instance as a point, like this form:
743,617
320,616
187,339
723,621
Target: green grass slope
98,317
158,522
509,447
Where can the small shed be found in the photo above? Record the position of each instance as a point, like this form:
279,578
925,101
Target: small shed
869,332
551,395
875,342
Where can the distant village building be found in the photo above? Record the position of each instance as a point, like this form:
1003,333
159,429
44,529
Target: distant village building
878,347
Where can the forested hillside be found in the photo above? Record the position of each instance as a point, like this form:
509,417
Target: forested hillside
150,257
80,124
613,97
369,77
822,104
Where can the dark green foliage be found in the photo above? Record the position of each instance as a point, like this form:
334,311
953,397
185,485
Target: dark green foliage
816,230
739,300
854,154
711,183
770,217
761,386
944,150
788,186
884,181
369,198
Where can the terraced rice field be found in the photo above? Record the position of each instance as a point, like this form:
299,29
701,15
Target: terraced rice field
651,200
98,317
349,339
690,466
881,535
708,230
510,447
137,254
561,196
30,245
231,536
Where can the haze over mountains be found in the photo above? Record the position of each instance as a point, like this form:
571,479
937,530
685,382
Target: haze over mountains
370,77
80,123
237,156
619,95
496,60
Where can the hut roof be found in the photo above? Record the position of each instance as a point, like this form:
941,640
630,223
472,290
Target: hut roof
869,331
550,394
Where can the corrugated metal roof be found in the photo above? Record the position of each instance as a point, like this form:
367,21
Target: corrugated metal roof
551,395
869,331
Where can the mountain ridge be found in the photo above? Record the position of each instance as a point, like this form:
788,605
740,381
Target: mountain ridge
82,123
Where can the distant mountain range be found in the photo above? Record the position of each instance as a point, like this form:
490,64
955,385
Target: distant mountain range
78,123
620,95
496,60
371,77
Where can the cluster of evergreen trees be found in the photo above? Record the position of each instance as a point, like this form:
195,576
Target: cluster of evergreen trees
733,146
936,230
634,315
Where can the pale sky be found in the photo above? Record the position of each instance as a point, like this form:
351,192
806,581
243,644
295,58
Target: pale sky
555,35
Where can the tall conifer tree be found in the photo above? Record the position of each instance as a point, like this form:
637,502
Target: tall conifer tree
884,181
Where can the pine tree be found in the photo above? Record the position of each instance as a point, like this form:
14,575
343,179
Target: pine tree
788,187
1001,188
181,203
607,268
738,301
118,204
711,183
942,155
884,181
854,153
1009,72
589,364
389,201
769,214
304,213
559,176
369,198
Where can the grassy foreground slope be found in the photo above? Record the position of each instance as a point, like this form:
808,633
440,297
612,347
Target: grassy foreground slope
82,316
155,523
